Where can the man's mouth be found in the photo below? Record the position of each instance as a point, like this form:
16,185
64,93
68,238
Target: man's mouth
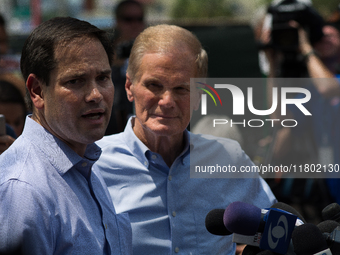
164,116
93,115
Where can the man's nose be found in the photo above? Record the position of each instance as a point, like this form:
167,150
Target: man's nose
167,99
94,94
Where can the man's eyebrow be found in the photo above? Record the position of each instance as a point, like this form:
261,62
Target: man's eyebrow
84,73
157,80
107,71
151,79
184,84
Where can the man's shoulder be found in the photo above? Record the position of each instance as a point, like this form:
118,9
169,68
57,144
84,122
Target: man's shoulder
203,139
116,151
219,150
108,141
19,175
23,162
12,161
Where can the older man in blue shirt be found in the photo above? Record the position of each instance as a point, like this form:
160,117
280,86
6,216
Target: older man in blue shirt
147,166
52,202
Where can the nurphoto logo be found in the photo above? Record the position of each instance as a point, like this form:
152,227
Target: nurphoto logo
281,98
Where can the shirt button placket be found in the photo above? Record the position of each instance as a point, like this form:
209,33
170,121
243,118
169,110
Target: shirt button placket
173,212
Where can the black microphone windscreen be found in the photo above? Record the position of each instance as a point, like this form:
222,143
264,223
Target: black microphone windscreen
288,208
328,226
308,239
251,250
242,218
214,223
254,250
331,212
267,252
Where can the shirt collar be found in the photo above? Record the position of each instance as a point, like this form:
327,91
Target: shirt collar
187,143
60,155
136,146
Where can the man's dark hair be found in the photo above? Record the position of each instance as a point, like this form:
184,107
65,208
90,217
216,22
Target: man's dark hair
118,11
38,54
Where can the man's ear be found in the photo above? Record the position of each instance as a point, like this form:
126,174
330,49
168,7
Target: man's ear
34,86
198,99
128,88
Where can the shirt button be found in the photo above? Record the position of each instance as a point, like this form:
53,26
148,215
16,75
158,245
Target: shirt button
153,156
176,249
84,164
145,163
170,177
105,226
174,213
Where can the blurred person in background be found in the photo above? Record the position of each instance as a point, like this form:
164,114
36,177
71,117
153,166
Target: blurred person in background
130,23
12,90
9,62
322,61
306,142
13,106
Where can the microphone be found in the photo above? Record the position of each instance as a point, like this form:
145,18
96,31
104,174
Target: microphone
333,240
251,250
308,239
266,252
243,218
331,212
214,223
270,228
255,250
327,226
288,208
330,230
247,219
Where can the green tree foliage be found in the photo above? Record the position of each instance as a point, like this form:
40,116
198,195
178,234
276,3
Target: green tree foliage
326,7
226,8
200,9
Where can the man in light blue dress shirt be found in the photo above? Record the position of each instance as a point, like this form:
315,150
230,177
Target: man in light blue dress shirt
52,202
146,167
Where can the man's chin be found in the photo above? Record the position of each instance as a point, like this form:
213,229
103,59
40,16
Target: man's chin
164,130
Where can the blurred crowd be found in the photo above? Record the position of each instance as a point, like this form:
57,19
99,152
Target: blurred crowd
317,57
306,45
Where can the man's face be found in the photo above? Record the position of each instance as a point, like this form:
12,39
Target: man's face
79,97
162,92
131,22
329,45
